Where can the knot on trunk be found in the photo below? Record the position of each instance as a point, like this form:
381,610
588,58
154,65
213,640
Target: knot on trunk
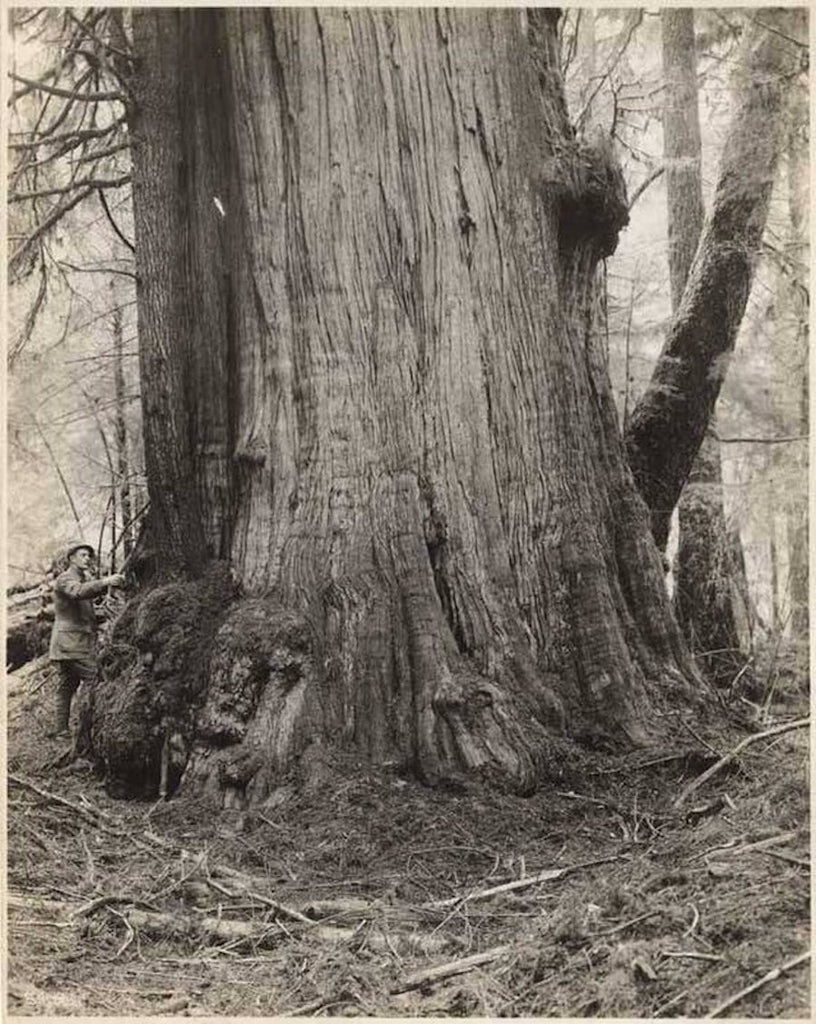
593,207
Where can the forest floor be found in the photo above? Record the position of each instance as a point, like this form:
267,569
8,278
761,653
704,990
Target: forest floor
379,897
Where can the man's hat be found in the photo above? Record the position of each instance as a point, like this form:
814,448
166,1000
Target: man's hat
77,546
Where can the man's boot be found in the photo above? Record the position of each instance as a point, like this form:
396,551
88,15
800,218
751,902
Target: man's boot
63,709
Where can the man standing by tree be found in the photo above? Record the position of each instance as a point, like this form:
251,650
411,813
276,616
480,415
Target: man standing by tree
74,632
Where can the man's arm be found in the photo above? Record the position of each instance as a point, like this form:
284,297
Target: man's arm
69,585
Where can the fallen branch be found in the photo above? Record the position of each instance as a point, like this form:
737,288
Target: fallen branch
279,908
448,970
341,906
627,924
691,955
269,933
550,875
90,814
206,928
777,972
789,858
641,765
93,815
695,784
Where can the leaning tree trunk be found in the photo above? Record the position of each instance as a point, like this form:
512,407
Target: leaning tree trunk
366,247
670,421
703,567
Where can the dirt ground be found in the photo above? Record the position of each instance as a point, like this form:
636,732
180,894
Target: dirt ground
376,896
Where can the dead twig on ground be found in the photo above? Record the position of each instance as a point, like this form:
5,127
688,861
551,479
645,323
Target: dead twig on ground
626,924
89,814
694,922
448,970
549,875
789,858
697,814
130,933
279,908
695,784
760,844
777,972
699,738
691,954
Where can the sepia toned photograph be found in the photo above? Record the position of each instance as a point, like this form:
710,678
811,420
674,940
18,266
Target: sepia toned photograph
406,550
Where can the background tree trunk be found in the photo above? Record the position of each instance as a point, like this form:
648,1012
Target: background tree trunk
366,265
681,145
703,567
795,306
670,421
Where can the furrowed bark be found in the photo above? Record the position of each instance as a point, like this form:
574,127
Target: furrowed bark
669,422
421,487
162,166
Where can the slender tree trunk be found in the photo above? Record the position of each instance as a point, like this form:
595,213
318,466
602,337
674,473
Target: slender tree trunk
671,419
703,595
681,145
795,305
367,244
776,616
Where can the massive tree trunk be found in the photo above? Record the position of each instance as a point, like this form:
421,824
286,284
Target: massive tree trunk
669,422
366,251
703,567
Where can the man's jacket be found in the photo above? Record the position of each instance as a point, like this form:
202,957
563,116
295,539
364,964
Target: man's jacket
72,638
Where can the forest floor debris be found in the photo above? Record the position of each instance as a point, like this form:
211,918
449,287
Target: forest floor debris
379,897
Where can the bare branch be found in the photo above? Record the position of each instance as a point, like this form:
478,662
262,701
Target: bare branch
96,270
21,20
28,89
113,223
647,181
100,154
31,317
53,218
762,440
771,28
99,42
63,114
634,19
573,43
79,135
87,183
71,94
